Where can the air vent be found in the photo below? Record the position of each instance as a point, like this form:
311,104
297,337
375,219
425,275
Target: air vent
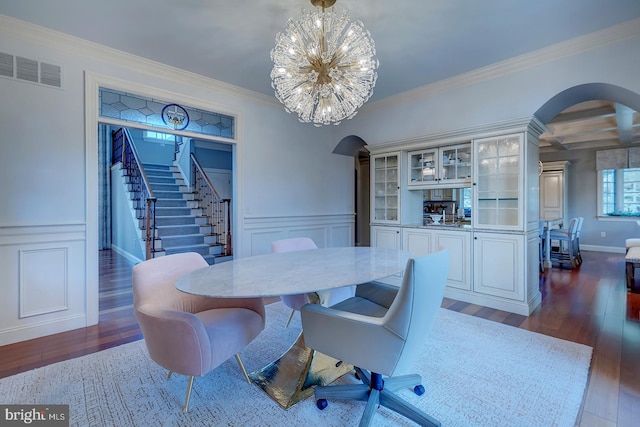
26,69
6,65
50,75
30,70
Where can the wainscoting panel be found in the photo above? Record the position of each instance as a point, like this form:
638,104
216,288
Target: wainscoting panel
325,230
44,281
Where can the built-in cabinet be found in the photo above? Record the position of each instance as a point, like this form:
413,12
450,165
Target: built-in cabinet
500,269
386,237
386,188
440,166
498,196
423,241
494,262
392,203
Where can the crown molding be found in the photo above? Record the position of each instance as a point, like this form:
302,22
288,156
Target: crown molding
85,48
554,52
458,136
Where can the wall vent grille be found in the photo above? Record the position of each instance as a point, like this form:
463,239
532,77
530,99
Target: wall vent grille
30,70
6,65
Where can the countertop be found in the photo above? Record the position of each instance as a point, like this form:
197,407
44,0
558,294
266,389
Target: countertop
463,226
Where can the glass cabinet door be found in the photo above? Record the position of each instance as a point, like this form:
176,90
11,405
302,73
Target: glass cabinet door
423,167
386,184
456,164
498,194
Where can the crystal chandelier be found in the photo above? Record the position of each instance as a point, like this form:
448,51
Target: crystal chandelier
324,67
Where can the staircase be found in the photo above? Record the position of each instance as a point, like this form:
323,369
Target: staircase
179,224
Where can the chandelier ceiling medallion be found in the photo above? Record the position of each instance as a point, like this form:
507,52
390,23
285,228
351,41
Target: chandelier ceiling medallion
324,67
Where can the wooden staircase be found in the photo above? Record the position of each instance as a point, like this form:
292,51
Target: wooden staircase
180,225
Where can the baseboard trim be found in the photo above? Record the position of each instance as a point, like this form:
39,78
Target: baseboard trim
596,248
127,255
41,329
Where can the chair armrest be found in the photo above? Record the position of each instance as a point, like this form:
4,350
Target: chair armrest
176,340
343,335
379,293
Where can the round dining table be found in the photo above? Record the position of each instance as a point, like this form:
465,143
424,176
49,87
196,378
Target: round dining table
291,377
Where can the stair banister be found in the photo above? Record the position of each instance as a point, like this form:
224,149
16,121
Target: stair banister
132,164
218,210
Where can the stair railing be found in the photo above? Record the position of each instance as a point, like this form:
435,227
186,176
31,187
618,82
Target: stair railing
144,200
216,209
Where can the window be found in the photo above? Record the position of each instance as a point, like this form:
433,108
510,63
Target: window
153,136
619,192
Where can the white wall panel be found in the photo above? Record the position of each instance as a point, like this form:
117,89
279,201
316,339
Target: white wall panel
43,284
44,281
326,231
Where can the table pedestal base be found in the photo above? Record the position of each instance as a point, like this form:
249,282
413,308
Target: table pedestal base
292,377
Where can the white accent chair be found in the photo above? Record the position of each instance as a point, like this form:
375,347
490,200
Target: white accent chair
381,330
190,334
296,301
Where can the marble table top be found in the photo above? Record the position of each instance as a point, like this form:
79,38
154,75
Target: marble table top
294,272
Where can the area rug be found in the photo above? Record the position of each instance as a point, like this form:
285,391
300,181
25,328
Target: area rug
476,373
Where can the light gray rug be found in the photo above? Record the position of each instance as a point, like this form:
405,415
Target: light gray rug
476,373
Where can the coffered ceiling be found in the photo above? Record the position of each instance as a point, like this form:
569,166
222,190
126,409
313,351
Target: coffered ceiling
592,124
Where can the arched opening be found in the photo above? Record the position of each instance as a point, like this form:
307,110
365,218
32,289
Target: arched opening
355,147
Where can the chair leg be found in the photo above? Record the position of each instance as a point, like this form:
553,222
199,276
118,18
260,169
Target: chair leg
244,371
169,374
186,400
402,407
370,409
290,317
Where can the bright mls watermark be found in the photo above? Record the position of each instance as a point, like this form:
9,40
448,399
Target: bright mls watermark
34,415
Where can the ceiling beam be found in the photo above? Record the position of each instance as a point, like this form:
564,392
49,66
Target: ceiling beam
583,114
554,142
624,117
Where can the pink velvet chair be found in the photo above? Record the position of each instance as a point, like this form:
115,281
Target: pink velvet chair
295,302
190,334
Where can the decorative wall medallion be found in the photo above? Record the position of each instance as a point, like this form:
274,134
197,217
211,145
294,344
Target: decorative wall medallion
175,116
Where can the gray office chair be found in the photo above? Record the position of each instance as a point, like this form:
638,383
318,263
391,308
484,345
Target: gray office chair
380,331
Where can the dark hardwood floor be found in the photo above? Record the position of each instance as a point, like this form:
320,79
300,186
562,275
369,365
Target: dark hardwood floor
589,305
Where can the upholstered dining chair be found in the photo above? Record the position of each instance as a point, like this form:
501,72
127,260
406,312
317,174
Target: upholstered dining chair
381,331
190,334
567,243
296,301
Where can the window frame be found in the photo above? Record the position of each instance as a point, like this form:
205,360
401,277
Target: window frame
619,198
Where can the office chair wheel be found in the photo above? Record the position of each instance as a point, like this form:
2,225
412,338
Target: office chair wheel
419,389
322,403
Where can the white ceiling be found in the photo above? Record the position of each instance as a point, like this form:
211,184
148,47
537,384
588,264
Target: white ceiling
417,41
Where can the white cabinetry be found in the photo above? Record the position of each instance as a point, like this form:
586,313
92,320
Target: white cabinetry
385,237
495,262
420,242
391,202
385,191
443,166
499,260
498,195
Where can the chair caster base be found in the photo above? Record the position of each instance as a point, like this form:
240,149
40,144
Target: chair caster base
322,403
419,390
